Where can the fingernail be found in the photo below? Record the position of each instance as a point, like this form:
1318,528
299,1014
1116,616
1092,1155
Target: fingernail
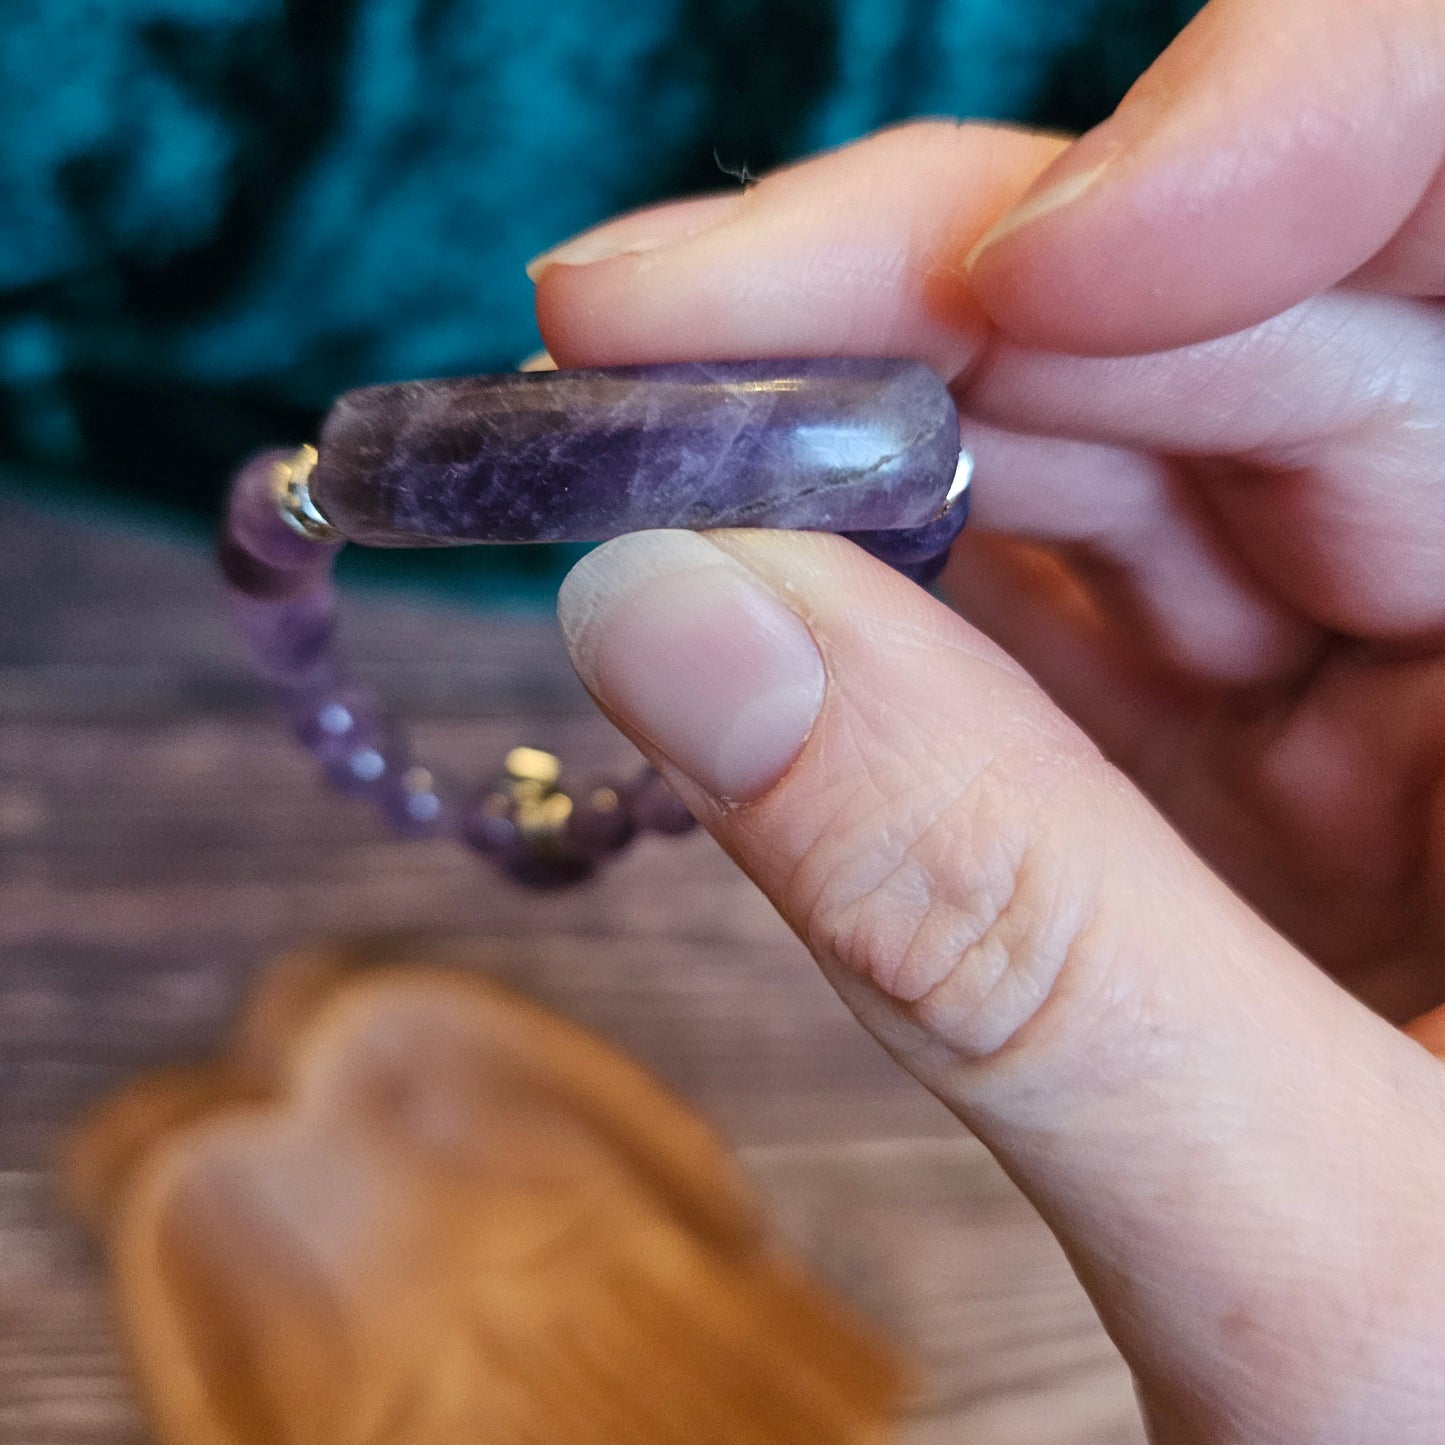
638,233
1052,198
694,652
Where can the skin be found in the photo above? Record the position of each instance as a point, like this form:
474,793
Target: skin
1136,857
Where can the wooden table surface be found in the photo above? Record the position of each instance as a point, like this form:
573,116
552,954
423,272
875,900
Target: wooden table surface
159,839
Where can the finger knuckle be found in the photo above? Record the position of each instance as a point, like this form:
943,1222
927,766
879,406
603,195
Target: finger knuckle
972,911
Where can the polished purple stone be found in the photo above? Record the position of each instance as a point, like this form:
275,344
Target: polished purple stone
829,444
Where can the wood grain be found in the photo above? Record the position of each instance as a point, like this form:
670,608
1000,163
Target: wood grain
159,839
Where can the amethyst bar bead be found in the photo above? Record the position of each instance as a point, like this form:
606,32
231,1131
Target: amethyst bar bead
839,445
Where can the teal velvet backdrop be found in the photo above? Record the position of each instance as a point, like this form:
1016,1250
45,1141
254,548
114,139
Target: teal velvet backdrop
214,214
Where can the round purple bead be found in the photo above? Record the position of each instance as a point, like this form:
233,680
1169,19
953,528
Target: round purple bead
261,555
488,825
335,719
655,808
365,769
919,553
255,523
413,803
345,730
600,822
291,641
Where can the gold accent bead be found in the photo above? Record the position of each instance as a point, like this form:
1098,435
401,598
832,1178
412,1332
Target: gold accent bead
542,821
532,765
538,809
291,485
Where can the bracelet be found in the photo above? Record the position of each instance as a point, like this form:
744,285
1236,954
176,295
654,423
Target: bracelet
866,448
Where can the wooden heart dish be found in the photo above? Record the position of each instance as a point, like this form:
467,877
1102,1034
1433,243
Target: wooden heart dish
410,1207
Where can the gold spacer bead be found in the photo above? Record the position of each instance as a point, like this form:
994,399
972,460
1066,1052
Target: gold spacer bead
532,765
291,486
539,810
542,821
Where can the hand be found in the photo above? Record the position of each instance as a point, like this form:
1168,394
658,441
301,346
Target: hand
1195,359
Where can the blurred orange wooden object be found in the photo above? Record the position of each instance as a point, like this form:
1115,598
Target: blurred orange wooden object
410,1207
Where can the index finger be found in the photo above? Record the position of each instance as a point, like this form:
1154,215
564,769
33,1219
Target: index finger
1274,149
854,253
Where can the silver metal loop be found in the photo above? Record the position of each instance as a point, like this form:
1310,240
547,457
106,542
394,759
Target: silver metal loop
962,479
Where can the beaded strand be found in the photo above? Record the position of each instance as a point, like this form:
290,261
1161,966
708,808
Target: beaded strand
281,595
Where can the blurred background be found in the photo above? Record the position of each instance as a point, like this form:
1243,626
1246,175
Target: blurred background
215,215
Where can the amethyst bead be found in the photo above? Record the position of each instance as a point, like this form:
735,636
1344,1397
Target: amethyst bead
920,553
365,770
489,825
291,641
833,444
346,732
334,720
600,822
655,808
413,803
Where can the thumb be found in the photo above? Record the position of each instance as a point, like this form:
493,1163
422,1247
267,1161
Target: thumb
1273,150
1223,1140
